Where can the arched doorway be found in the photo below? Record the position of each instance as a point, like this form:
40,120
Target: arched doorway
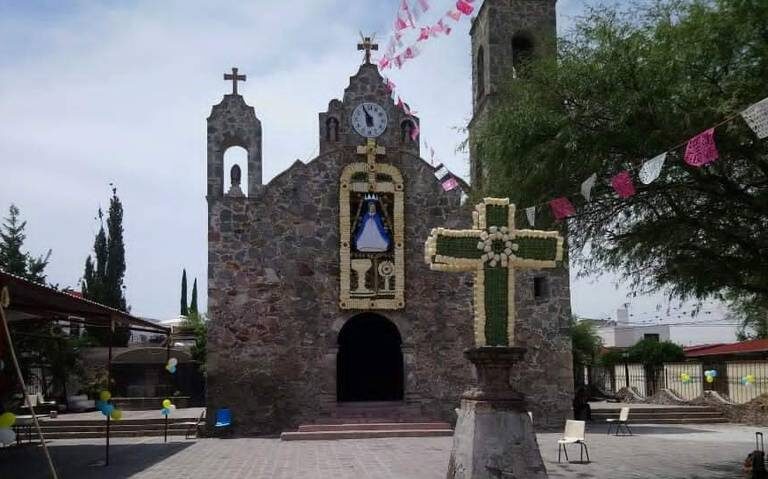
369,364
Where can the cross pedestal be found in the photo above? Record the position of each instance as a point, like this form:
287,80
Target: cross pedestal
494,436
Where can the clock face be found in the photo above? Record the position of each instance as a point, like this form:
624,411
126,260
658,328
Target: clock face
369,120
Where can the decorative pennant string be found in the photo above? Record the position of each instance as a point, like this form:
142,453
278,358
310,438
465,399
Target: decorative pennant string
622,184
530,213
652,169
701,149
587,185
562,208
756,117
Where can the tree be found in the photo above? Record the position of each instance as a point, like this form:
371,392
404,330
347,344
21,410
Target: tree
623,88
198,325
193,301
184,311
103,278
12,259
586,343
753,315
653,353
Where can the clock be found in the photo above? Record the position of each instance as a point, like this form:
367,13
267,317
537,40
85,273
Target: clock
369,119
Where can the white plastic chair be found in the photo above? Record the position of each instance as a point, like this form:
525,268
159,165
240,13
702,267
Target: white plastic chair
574,434
623,420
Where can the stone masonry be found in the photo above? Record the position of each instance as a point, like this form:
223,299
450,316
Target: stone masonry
273,281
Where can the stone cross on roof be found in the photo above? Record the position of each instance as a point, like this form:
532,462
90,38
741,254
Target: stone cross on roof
367,45
493,249
235,78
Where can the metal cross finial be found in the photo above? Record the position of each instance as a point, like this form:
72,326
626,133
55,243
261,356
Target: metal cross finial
235,78
367,45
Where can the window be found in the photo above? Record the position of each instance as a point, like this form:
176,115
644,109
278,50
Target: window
652,336
480,74
540,287
522,51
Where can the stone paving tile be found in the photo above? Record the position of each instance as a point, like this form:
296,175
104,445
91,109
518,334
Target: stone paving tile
659,452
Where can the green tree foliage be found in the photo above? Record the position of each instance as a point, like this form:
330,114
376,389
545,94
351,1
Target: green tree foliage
184,310
12,259
193,301
753,314
623,89
648,352
103,278
586,343
198,325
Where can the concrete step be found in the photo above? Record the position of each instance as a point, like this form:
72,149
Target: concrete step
100,434
364,434
370,420
375,426
658,409
712,420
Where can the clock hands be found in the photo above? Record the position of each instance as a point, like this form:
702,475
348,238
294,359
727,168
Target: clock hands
368,117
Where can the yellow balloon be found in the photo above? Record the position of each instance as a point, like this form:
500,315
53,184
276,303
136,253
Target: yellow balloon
116,414
105,395
710,379
7,419
166,403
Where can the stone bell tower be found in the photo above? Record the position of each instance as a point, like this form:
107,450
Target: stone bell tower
505,35
233,123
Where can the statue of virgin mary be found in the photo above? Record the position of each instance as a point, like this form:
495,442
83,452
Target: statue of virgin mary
370,235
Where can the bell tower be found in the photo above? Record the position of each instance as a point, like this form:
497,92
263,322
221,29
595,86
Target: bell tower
233,123
505,35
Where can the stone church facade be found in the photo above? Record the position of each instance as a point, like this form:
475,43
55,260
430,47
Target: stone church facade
319,298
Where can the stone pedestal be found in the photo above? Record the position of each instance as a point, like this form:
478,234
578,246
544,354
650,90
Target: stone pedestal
494,436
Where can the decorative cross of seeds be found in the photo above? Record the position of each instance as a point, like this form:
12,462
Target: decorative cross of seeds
493,249
371,151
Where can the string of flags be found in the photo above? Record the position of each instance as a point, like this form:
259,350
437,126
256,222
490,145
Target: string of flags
446,178
700,150
409,13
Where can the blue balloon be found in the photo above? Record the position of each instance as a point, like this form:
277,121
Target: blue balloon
165,411
107,409
714,373
173,369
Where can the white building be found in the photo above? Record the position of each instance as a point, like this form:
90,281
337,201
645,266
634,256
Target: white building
709,324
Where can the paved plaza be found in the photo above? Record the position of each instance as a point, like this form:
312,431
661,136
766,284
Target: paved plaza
715,451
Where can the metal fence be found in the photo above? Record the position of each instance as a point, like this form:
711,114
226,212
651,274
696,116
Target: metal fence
738,381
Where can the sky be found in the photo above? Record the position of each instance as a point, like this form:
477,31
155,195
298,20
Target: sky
114,92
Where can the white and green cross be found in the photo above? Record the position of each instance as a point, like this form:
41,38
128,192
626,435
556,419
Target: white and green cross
493,249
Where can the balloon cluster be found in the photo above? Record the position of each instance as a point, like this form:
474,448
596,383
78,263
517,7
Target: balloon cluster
168,407
710,374
685,378
106,408
7,436
748,380
171,365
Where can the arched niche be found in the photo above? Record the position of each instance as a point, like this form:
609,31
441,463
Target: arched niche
235,156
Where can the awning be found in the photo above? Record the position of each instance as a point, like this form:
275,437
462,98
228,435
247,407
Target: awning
33,301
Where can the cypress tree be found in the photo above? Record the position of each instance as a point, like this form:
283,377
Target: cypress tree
104,272
184,311
115,271
193,301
